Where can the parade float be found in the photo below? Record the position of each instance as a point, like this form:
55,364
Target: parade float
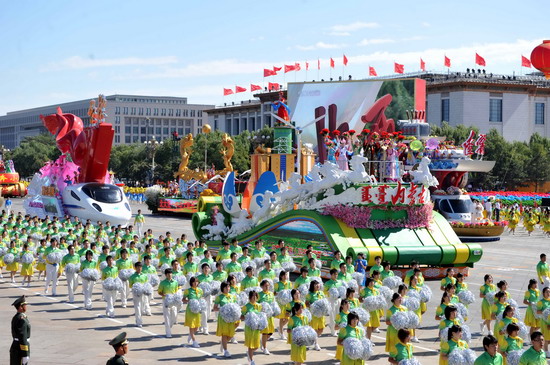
10,186
192,184
359,204
78,182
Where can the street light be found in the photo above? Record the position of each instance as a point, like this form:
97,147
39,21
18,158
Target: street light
152,146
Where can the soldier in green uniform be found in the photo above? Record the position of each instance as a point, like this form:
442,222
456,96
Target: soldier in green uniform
21,332
120,344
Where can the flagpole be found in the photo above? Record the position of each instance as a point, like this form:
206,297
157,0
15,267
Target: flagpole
318,69
307,64
343,66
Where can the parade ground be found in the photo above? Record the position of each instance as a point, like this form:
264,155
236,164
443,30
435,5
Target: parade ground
65,333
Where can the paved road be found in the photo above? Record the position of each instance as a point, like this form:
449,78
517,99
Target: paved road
64,333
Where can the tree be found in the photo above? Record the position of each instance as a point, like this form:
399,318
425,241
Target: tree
538,162
33,153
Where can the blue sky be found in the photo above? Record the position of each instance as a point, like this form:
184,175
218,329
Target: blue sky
56,51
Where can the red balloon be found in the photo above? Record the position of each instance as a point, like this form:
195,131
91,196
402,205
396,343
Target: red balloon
540,58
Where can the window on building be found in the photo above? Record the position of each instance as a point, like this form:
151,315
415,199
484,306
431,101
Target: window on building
128,139
117,120
158,130
188,123
495,110
185,112
445,109
180,131
136,139
133,111
228,125
199,113
199,122
140,111
180,123
539,113
192,113
117,110
143,130
165,130
178,112
163,112
251,124
136,130
117,139
127,129
215,124
125,110
148,111
187,130
156,111
170,112
142,139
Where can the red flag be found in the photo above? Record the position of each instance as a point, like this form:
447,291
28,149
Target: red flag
318,64
525,62
255,87
239,89
277,68
272,86
297,66
289,68
372,71
447,62
307,65
227,92
268,72
331,62
480,60
422,65
345,60
398,69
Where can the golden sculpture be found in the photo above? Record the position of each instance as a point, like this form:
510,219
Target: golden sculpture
227,152
183,171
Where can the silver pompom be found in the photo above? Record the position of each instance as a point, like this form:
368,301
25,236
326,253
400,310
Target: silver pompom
54,257
353,348
353,285
90,274
304,290
368,348
259,262
374,303
239,276
283,297
179,252
524,332
359,278
248,263
225,262
333,293
490,297
546,314
386,292
304,336
197,305
462,310
230,312
425,294
411,303
27,258
255,321
72,268
102,265
215,287
392,282
364,316
205,287
276,309
164,267
288,266
147,289
257,289
342,291
462,357
111,284
512,357
318,264
125,274
466,297
137,289
242,298
173,300
466,333
320,308
444,334
197,259
414,294
154,262
399,320
134,257
181,279
413,320
412,361
154,279
307,313
267,309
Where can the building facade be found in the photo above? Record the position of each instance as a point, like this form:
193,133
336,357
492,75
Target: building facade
516,106
135,118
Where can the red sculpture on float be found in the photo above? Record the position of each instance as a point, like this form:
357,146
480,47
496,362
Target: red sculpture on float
540,58
90,147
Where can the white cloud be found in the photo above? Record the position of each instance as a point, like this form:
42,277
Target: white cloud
77,62
340,34
425,24
369,42
321,45
352,27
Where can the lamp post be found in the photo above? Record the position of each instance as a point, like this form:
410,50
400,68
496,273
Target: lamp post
152,146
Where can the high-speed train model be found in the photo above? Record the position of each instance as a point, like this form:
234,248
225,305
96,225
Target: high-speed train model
98,203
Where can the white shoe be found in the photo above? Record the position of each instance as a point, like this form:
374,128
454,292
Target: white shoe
168,335
233,340
414,339
252,362
28,285
266,351
376,330
226,354
316,347
13,280
481,327
124,306
490,333
195,344
199,331
206,333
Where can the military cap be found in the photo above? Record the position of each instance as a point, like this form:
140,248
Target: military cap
19,301
119,340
